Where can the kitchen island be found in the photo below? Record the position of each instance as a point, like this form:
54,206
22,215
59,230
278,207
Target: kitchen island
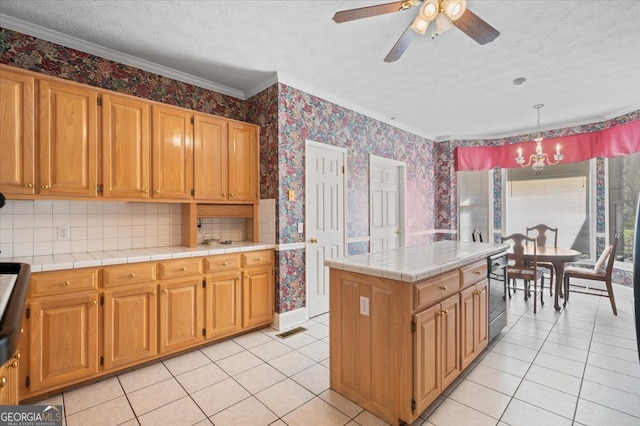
404,323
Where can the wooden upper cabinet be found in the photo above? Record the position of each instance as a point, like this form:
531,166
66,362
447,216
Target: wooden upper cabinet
243,162
17,140
172,150
68,139
126,147
210,158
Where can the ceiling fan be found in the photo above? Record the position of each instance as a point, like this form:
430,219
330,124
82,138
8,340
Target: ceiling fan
445,13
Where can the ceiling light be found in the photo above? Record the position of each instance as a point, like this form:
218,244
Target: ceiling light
537,160
443,23
454,8
420,25
429,10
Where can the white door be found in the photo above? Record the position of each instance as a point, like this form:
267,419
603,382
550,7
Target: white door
325,219
386,204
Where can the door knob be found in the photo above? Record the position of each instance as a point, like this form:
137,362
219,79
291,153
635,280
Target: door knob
313,240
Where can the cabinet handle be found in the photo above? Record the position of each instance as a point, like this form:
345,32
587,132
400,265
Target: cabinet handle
157,191
440,313
232,194
17,355
224,263
183,269
146,191
477,272
224,194
446,311
132,275
3,381
66,284
153,293
246,276
477,292
45,186
313,240
259,259
14,364
165,291
444,287
93,302
29,185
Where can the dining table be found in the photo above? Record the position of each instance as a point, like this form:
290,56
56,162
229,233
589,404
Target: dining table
558,257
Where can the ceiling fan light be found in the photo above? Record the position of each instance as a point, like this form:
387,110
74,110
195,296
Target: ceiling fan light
443,23
420,25
454,8
429,10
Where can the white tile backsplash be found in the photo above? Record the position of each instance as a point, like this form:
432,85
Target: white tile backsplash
29,228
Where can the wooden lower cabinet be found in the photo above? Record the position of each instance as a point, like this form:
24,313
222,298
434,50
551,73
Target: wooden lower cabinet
180,315
437,351
257,291
9,381
474,333
396,346
130,325
81,324
223,304
64,340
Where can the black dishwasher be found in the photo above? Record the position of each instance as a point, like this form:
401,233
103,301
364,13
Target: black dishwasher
14,287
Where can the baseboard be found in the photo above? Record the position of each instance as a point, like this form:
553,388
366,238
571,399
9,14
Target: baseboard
289,319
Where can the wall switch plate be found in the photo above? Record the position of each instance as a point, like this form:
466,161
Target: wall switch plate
364,305
63,233
300,228
292,195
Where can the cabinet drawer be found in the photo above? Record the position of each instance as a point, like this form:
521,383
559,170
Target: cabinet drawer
473,273
435,289
128,274
255,258
180,268
221,263
59,282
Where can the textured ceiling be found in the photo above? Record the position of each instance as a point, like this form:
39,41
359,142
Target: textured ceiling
581,58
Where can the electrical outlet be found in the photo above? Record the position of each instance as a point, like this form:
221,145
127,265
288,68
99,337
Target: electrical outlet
63,233
364,305
300,228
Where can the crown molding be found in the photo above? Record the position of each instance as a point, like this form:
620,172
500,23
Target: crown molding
113,55
263,85
331,97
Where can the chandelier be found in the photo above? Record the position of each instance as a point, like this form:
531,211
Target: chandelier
537,160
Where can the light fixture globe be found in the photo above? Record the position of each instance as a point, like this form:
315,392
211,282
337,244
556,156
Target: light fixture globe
419,25
429,10
454,9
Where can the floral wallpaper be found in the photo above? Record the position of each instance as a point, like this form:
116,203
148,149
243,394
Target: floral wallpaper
27,52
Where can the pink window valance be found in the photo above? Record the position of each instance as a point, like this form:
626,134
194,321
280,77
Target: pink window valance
616,141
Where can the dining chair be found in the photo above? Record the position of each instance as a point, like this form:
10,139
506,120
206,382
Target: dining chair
541,241
601,272
526,271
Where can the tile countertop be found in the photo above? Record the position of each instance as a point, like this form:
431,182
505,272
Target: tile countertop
411,264
116,257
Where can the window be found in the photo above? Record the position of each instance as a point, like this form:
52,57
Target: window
559,198
624,185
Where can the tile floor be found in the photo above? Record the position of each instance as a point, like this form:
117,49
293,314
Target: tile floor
578,366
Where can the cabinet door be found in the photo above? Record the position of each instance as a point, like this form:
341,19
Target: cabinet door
257,297
223,301
467,326
450,337
64,341
68,140
126,147
210,158
172,153
9,382
427,354
481,301
17,140
130,325
180,314
243,162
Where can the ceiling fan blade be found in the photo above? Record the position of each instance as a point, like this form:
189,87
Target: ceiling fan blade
476,28
366,12
401,45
